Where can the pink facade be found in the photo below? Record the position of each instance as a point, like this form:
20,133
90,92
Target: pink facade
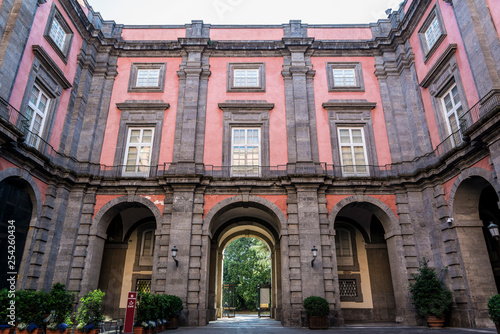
340,33
166,34
246,34
68,68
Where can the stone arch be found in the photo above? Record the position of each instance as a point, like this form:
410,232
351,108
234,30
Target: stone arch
103,217
463,176
256,201
383,212
97,235
34,192
466,196
31,187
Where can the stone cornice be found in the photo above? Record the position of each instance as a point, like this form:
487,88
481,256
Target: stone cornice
52,67
138,105
259,105
349,104
440,62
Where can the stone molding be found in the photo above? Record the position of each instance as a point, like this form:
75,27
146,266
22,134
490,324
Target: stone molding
52,67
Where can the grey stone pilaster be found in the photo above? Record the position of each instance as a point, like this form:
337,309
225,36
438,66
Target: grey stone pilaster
300,111
16,18
481,42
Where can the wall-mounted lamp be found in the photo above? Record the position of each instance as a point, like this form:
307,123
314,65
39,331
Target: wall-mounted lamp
314,250
493,228
174,254
450,221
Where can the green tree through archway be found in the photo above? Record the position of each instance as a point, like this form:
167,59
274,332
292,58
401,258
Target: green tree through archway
247,263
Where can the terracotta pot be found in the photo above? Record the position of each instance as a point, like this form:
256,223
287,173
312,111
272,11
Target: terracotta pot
55,331
318,322
435,322
173,323
36,331
139,330
7,330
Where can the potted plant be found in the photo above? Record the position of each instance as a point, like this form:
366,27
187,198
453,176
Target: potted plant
89,314
31,307
5,327
317,310
494,310
143,313
430,296
60,304
173,310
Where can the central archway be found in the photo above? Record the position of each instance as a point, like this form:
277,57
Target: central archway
232,219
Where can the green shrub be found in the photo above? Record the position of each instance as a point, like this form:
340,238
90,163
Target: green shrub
61,303
4,304
90,310
174,306
429,294
145,308
31,306
494,308
316,306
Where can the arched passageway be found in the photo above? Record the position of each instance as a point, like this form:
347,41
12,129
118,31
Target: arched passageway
16,215
127,251
474,203
232,220
368,264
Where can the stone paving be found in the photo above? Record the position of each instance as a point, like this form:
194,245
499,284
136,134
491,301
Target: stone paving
249,324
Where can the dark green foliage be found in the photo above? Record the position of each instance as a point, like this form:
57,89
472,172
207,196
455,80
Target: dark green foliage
153,307
494,308
61,302
429,294
4,304
90,309
31,306
316,306
145,308
247,264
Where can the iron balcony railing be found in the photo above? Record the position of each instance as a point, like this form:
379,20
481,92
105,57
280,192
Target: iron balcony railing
475,116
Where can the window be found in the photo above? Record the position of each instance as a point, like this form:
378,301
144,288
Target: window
343,247
353,152
345,76
147,77
36,113
453,112
245,151
431,33
147,243
138,151
246,77
58,33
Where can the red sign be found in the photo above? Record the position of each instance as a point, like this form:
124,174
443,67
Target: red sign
130,313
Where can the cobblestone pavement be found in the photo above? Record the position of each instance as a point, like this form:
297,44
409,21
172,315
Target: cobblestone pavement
249,324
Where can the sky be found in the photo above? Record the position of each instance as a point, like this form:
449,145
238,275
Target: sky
180,12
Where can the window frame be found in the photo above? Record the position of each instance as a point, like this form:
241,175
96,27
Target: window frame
128,145
134,71
352,230
351,144
455,137
261,80
428,51
33,139
63,52
359,85
246,173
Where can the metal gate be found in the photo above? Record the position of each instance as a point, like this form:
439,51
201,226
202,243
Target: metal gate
228,300
264,307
